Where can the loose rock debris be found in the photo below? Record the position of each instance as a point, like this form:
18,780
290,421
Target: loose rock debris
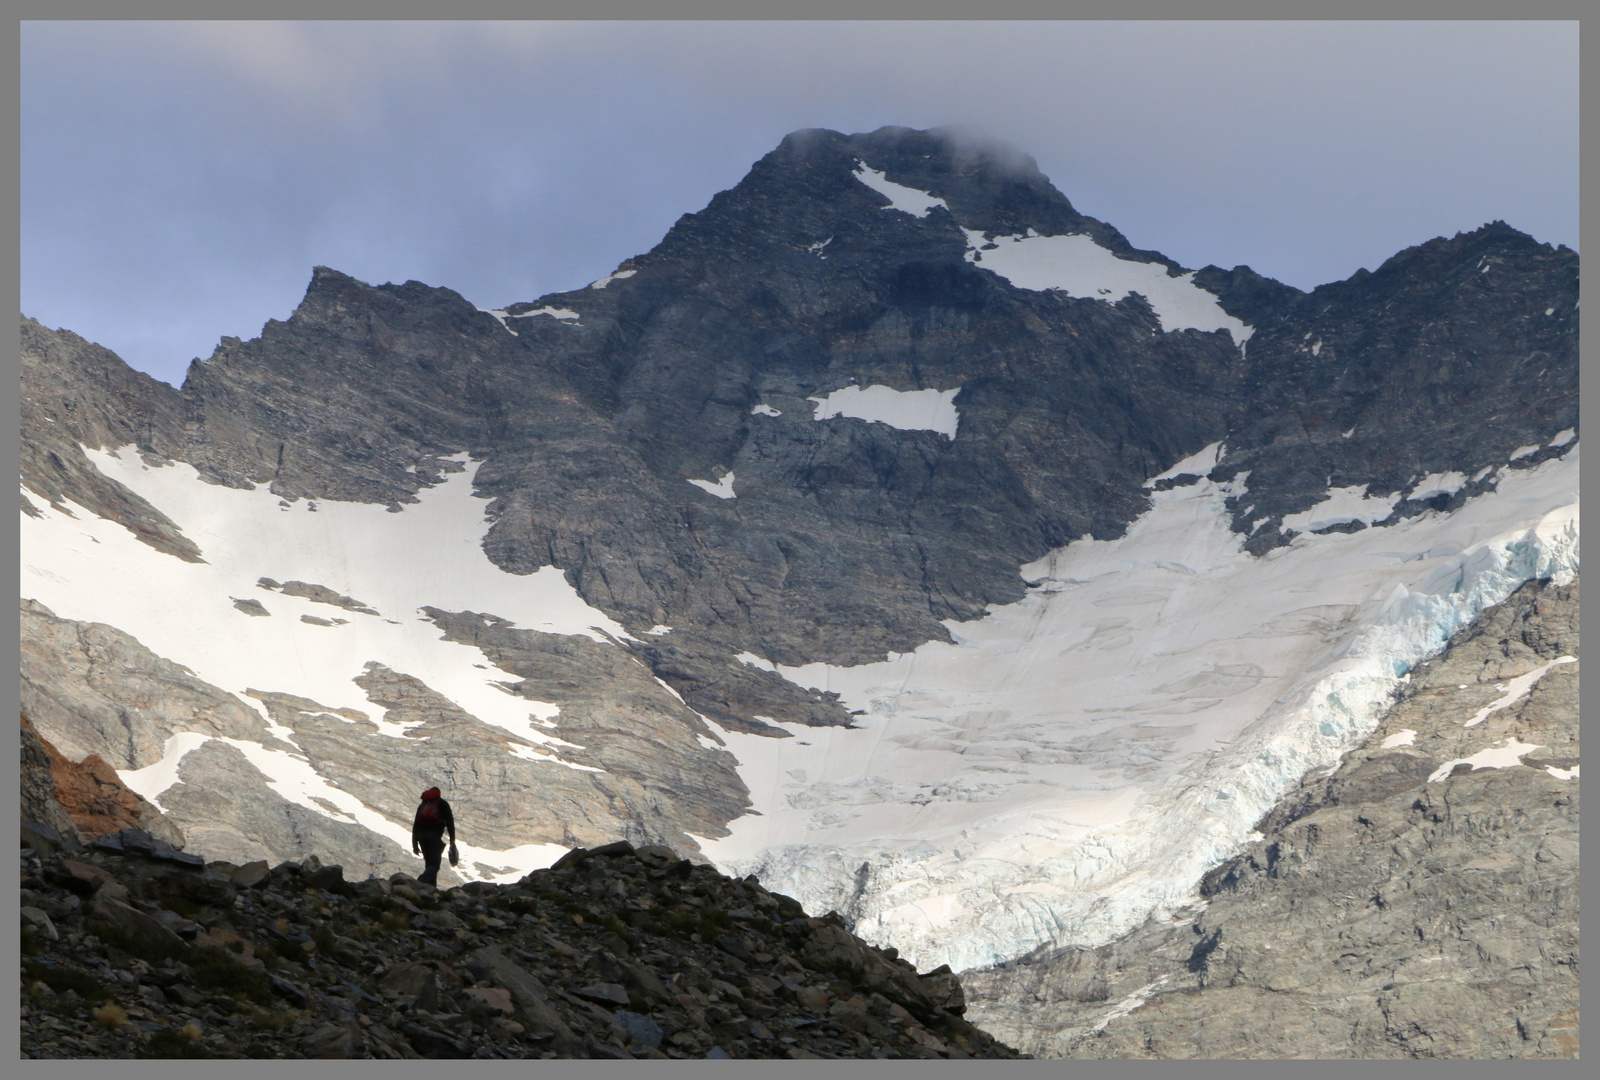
132,948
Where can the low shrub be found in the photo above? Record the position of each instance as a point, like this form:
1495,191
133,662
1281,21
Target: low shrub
167,1043
110,1016
62,979
262,1020
215,969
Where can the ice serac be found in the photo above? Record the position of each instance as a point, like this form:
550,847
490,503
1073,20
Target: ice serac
1378,913
1062,591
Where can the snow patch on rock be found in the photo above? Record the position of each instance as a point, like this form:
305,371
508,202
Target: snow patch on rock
1196,464
620,275
1515,690
908,410
560,314
1445,483
500,316
1078,266
1342,505
904,199
1495,757
722,489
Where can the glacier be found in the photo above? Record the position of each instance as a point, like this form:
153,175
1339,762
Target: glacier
1074,762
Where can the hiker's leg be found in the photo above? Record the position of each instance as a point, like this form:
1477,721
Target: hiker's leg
432,850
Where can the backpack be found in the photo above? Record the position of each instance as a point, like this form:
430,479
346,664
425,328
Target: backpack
429,815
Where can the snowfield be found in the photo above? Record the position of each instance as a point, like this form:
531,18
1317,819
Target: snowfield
1078,266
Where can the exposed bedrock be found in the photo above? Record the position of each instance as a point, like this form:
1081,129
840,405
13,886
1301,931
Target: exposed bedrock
1412,903
622,758
83,800
231,812
92,689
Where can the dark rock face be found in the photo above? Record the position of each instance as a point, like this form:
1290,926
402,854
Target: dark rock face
612,953
77,394
1403,906
1449,357
846,539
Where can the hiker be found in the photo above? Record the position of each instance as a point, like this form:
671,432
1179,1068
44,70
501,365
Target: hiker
427,834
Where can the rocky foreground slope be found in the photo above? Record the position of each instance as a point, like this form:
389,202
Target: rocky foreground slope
132,948
1421,900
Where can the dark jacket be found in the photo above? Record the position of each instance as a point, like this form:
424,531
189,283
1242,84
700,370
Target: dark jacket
447,820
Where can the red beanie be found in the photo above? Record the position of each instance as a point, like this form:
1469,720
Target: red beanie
431,793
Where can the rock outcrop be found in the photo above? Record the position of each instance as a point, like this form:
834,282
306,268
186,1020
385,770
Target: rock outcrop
132,949
90,688
1421,900
86,799
633,762
37,784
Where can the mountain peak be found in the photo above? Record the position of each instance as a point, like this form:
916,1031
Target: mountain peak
818,182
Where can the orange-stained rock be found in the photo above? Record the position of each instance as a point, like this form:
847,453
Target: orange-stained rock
96,799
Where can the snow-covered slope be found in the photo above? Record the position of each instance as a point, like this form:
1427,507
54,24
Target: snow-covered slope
1081,757
90,569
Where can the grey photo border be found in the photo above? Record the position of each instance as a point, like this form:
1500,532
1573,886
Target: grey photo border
814,10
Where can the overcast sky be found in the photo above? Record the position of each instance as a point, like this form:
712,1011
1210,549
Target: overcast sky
179,180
